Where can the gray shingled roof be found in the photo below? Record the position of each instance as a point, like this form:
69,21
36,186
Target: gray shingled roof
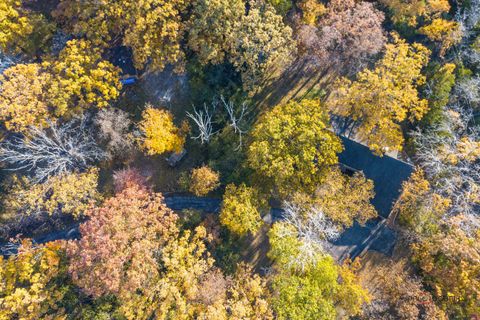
386,172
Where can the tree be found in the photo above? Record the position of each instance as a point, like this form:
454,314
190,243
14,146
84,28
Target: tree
298,241
248,295
380,99
70,193
240,211
311,11
292,146
401,296
438,89
29,289
449,155
419,207
160,133
203,180
56,150
409,11
448,33
22,31
314,291
23,97
212,28
114,130
81,78
262,44
349,34
450,264
344,199
281,6
117,250
152,28
184,261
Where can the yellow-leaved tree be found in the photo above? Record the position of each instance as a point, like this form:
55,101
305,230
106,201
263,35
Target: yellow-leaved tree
345,199
81,78
203,180
28,289
21,30
160,134
152,28
241,209
71,193
292,146
23,96
262,44
380,99
212,28
446,32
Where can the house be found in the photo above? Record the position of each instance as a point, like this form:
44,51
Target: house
387,174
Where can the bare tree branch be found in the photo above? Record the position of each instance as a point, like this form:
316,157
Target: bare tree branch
203,121
235,120
51,151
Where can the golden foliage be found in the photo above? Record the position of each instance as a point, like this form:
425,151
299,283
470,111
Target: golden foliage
262,44
71,193
293,147
203,180
380,99
448,33
81,78
410,10
22,30
311,11
241,209
450,263
22,97
27,289
152,28
160,133
212,28
345,199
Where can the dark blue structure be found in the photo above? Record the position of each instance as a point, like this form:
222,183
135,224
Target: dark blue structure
386,172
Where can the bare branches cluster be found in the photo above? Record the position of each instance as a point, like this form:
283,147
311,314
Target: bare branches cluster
312,228
115,125
203,119
52,151
450,156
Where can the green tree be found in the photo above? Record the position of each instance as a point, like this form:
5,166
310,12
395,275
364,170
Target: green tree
316,291
292,146
439,86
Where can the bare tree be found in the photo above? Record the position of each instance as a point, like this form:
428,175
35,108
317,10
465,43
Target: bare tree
450,156
114,125
312,227
52,151
203,121
236,118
